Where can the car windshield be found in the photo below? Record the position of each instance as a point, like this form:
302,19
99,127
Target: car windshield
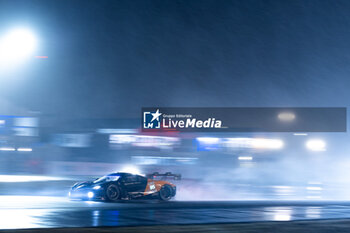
107,178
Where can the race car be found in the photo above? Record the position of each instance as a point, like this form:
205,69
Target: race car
125,186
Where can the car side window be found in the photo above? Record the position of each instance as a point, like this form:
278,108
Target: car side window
130,178
112,178
141,179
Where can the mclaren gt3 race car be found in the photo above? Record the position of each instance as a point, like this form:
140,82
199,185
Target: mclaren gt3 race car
125,186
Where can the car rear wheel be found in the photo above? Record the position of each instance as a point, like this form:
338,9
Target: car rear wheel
113,193
165,193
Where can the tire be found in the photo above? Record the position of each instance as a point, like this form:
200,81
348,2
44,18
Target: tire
113,193
165,193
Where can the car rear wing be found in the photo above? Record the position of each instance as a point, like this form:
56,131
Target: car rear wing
167,174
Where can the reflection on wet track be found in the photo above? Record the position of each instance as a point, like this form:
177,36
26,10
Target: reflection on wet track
40,212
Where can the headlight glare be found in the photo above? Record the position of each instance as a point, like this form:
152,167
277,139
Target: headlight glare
90,194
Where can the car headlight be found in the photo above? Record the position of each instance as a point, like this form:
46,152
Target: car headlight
96,187
90,194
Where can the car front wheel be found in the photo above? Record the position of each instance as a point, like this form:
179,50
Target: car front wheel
113,193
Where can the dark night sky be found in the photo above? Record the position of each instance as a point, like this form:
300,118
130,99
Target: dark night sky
110,58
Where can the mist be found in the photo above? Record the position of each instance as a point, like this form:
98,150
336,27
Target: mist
112,58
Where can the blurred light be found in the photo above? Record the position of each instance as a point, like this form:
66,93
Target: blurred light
42,57
283,190
208,143
163,160
315,182
286,116
282,217
16,45
245,158
300,134
95,218
22,218
19,178
313,212
89,202
96,187
208,140
96,213
26,121
122,139
280,213
155,141
316,145
255,143
90,194
143,140
7,149
25,149
262,143
314,188
116,131
131,169
282,187
313,197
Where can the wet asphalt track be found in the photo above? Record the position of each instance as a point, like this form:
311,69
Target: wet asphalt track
44,212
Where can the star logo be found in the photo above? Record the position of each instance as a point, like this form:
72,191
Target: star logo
156,115
152,119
